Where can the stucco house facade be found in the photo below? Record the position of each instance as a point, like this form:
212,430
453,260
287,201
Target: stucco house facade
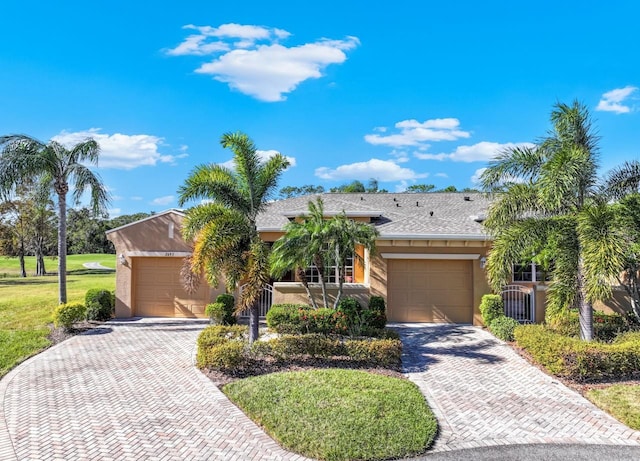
429,264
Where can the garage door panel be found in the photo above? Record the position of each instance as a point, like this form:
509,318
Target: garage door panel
159,291
430,291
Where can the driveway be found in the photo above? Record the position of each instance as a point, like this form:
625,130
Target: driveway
126,390
484,394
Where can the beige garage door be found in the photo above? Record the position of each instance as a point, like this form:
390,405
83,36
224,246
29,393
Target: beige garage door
158,291
423,290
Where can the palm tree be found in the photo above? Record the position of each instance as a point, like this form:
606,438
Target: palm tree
223,228
548,202
326,244
57,169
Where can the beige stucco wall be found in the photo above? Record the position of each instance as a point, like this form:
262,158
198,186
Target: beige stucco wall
619,303
151,236
294,293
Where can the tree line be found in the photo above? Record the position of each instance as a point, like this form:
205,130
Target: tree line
358,187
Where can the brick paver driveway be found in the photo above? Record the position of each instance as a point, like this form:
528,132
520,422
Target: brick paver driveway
127,390
484,394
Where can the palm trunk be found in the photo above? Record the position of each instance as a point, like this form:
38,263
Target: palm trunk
40,269
585,307
323,284
302,276
254,322
62,248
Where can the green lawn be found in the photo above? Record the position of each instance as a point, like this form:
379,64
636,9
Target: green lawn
622,401
338,414
10,267
26,304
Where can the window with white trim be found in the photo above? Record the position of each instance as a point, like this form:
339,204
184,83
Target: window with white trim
331,273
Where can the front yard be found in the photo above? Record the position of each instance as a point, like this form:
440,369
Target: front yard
26,304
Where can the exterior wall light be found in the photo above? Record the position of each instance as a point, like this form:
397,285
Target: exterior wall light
122,259
483,262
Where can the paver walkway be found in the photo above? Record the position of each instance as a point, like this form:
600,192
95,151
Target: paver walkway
483,393
127,390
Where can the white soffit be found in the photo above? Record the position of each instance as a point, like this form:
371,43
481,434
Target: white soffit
429,256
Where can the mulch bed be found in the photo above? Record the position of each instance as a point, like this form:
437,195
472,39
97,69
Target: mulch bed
265,366
57,335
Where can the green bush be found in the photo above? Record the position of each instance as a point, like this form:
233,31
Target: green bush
228,311
580,360
491,307
378,307
287,318
605,326
98,312
385,352
216,313
287,347
218,334
225,356
502,327
99,304
65,315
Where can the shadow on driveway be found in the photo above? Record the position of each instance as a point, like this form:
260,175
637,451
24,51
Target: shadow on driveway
427,344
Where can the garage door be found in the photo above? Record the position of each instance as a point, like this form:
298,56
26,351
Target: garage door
158,290
423,290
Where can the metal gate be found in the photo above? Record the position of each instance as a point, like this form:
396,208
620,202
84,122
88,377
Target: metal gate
264,301
519,303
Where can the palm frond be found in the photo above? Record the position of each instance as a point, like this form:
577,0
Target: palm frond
513,165
622,180
83,179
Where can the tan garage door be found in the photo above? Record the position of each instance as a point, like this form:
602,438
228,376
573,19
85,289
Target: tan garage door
424,290
158,291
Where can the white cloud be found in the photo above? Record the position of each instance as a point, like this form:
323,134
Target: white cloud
414,133
121,151
382,170
441,175
250,58
114,212
480,152
475,179
136,198
166,200
611,101
264,156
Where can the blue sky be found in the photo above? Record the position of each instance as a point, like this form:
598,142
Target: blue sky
405,92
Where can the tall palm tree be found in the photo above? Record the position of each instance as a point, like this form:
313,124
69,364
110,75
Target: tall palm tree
223,228
548,201
57,169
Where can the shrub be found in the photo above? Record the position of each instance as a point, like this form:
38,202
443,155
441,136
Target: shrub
287,347
99,304
216,313
65,315
605,326
580,360
287,318
491,307
227,355
218,334
321,320
228,310
378,308
98,312
502,327
385,352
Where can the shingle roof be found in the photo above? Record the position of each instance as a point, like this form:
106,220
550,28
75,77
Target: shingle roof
402,215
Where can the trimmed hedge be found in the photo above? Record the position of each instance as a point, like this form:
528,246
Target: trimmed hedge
580,360
349,318
222,347
502,327
65,315
491,307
